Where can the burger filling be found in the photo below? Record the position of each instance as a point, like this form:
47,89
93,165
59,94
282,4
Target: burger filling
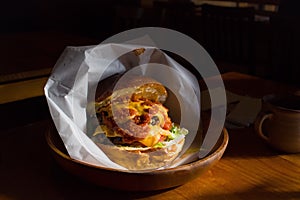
134,122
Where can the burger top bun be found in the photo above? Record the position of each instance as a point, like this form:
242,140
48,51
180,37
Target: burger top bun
145,87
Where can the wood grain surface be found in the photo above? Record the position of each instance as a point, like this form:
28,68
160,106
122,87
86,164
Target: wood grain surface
249,169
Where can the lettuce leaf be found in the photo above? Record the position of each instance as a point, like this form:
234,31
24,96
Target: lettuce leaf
176,131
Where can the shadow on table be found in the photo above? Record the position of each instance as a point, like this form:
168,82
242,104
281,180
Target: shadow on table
72,187
245,143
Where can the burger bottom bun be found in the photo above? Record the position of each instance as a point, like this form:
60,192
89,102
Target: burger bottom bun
143,159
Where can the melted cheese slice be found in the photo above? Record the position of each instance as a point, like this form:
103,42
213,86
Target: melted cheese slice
154,135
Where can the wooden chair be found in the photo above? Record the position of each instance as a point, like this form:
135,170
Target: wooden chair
227,34
134,16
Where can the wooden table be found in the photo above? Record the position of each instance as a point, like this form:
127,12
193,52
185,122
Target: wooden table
249,168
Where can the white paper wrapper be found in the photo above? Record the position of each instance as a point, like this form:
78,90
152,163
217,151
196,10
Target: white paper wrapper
73,83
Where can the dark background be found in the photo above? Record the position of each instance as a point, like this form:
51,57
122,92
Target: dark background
33,34
263,48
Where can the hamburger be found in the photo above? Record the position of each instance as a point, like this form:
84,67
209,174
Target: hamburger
134,129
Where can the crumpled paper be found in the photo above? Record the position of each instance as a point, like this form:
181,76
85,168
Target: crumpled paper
73,82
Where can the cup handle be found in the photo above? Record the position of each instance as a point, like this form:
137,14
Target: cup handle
259,124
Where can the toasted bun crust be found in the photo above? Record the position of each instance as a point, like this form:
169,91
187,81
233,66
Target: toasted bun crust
145,87
143,159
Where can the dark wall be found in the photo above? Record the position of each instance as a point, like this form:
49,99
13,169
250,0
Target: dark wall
82,16
102,18
89,17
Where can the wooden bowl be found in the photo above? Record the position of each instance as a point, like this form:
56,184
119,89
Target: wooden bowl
124,180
